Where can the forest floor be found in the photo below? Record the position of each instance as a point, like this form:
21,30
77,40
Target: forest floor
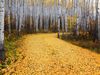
45,54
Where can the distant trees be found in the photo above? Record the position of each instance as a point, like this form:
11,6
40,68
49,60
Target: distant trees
86,15
77,16
1,29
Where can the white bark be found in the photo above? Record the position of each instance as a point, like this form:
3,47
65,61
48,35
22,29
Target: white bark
9,17
1,27
59,12
97,23
99,27
66,23
16,15
30,15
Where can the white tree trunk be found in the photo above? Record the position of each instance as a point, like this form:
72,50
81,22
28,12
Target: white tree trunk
99,29
9,17
1,29
66,23
59,13
97,21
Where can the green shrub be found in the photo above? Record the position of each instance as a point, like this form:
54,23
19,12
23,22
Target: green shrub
10,48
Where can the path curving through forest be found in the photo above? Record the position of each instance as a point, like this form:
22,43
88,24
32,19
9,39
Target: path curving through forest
45,54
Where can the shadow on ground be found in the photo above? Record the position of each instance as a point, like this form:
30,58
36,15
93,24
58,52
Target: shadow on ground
88,44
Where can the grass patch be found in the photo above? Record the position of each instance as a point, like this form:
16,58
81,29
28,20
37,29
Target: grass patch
85,43
11,54
10,47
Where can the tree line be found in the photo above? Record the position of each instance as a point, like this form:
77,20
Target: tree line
52,15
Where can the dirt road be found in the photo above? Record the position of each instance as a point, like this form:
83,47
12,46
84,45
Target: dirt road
45,54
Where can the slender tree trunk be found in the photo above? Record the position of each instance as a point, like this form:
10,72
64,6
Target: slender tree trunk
9,18
99,22
41,15
16,15
20,17
30,16
2,29
59,18
66,23
97,26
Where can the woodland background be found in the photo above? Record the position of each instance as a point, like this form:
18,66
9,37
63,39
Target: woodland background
77,20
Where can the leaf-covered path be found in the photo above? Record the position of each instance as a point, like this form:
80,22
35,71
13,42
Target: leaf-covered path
45,54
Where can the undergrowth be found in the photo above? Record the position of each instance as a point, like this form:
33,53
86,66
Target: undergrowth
11,54
85,43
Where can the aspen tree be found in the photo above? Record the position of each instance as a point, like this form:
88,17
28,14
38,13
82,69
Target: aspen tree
59,12
9,17
2,29
96,19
